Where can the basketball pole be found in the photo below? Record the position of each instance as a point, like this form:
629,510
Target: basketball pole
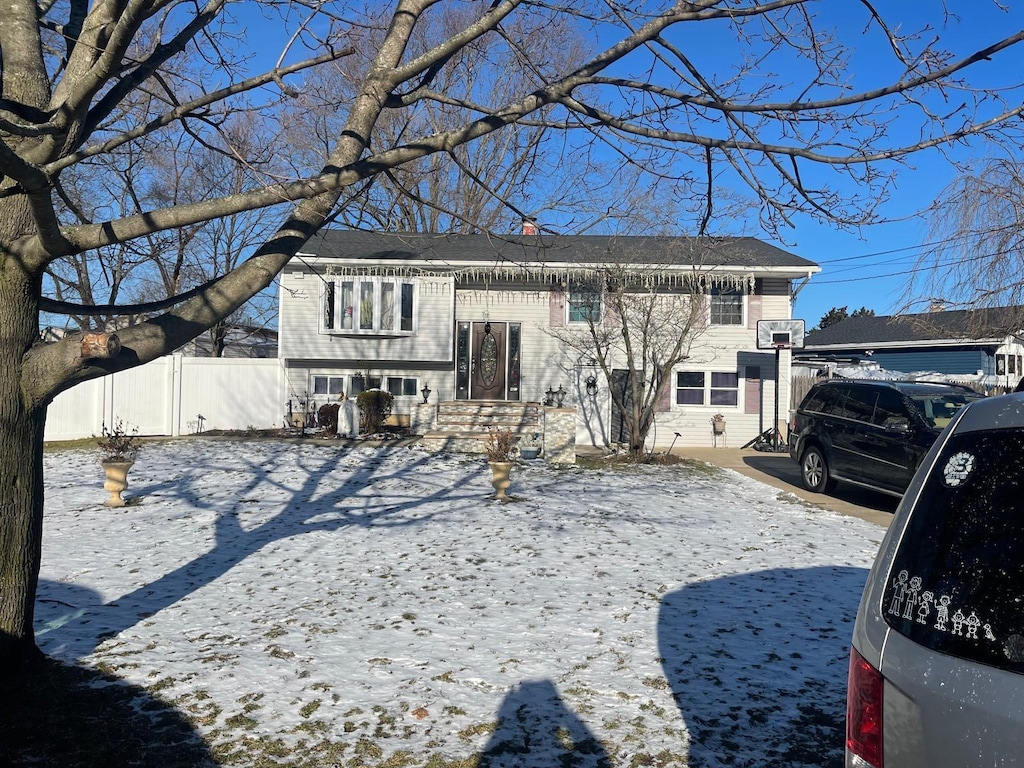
775,424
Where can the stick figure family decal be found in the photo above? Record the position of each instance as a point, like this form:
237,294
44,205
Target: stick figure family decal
908,601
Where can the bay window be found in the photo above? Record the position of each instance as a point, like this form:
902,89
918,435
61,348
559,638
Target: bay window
374,305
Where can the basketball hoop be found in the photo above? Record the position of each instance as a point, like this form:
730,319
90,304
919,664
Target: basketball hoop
779,335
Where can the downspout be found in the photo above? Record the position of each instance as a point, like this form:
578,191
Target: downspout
795,291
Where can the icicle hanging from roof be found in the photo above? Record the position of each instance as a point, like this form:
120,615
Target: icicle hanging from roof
649,278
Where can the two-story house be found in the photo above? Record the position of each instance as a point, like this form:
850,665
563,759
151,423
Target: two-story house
478,318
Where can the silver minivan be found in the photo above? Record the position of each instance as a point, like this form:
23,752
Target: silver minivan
937,659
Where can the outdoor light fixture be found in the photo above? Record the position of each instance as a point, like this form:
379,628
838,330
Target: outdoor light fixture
559,396
426,393
550,399
591,385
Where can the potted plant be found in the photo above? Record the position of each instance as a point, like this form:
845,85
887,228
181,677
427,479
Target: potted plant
119,448
718,424
529,446
500,453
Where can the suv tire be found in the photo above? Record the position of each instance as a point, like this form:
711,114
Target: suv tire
814,471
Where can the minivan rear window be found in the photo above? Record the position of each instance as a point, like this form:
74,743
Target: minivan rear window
957,581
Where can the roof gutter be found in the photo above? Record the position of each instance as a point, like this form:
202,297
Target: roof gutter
876,345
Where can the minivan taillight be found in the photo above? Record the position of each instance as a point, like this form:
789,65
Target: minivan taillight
863,714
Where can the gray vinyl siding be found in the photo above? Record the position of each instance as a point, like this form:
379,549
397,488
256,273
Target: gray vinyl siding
301,304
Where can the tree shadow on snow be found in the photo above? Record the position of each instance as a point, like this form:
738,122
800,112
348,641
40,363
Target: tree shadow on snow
55,715
325,500
536,728
757,665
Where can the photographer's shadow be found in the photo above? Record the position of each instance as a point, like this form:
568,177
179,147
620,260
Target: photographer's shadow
537,729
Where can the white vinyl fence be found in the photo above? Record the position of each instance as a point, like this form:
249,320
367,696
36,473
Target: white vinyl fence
168,396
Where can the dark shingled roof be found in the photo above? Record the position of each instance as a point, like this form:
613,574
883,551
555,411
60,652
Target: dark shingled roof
967,324
556,250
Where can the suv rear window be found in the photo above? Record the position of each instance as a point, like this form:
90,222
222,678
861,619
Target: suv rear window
957,582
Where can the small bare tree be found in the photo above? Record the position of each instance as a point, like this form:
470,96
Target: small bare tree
643,319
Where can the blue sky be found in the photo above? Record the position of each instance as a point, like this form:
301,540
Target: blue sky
869,267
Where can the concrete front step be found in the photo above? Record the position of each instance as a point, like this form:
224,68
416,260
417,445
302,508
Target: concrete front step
453,440
481,417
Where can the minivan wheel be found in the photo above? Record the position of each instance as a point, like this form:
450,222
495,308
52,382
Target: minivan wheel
814,472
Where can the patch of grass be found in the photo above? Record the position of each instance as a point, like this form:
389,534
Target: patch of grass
308,709
623,463
472,731
242,721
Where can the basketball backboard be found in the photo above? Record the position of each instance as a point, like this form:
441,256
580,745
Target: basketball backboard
780,334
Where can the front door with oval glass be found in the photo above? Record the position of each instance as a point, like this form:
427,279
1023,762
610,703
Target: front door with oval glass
490,363
487,360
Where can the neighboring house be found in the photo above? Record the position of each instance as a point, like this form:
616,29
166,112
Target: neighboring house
471,318
240,340
965,342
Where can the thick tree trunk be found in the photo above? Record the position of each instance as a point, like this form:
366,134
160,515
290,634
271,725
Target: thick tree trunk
21,468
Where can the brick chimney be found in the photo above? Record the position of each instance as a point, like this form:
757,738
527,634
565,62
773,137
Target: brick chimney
530,226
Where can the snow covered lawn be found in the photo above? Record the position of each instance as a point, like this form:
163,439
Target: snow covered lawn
316,605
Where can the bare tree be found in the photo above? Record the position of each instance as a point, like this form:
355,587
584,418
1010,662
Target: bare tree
976,261
71,75
640,320
181,170
476,187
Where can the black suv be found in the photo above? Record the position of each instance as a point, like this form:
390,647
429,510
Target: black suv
871,433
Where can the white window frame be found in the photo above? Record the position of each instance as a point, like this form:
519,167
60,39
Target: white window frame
706,390
583,291
373,287
346,380
717,294
328,378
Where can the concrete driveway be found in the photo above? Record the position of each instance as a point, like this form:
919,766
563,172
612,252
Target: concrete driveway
780,471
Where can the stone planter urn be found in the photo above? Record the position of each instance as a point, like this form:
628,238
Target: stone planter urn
116,482
529,453
500,478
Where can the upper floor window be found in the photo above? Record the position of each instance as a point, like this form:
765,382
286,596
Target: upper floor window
726,307
584,305
368,305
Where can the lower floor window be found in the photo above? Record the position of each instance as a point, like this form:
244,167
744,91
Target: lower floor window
330,387
361,383
707,388
400,386
1008,364
690,388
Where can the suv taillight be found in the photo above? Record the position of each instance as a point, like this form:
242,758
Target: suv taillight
863,714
